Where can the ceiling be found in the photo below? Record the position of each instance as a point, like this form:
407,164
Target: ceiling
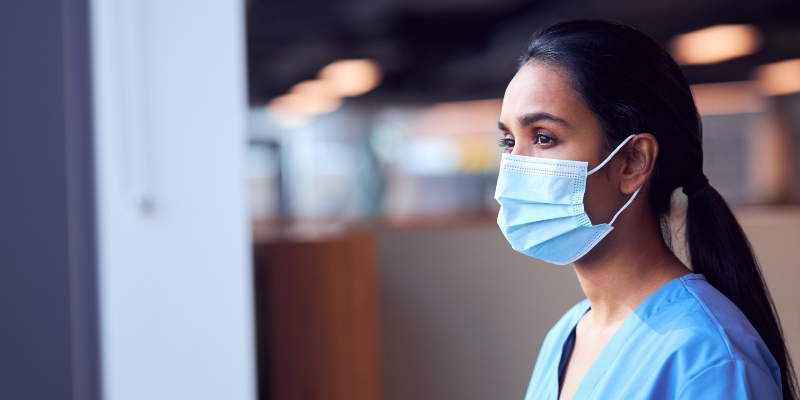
447,50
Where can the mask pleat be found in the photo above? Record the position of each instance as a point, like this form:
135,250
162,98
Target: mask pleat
524,188
530,235
520,214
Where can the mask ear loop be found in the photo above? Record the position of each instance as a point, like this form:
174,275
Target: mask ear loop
625,206
610,156
602,164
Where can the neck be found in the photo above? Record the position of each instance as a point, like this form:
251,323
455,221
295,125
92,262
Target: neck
625,268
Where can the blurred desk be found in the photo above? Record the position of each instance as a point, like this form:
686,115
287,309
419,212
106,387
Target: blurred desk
317,305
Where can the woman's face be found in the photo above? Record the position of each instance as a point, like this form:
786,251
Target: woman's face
543,116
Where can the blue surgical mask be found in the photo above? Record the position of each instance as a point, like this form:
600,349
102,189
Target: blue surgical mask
541,207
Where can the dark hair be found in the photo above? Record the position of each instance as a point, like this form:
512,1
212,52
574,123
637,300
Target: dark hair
632,85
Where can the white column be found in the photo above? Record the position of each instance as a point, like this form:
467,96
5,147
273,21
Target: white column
176,301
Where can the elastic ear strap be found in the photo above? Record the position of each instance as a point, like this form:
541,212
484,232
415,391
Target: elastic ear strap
625,206
611,155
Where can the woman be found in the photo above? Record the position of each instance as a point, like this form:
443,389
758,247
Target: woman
598,113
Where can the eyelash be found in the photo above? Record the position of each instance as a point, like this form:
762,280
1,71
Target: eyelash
508,143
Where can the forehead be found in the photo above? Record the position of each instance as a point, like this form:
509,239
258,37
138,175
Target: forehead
540,87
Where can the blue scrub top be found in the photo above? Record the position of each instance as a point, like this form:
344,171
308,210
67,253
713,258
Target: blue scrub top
685,341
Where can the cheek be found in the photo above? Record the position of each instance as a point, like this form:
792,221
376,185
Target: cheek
600,198
573,150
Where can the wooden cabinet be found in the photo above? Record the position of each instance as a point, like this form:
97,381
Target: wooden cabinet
317,305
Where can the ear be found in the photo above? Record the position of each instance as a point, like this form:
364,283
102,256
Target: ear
640,159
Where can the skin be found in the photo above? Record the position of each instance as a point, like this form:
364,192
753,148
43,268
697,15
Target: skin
543,116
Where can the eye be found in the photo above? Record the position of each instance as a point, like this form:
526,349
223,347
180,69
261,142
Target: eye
542,139
507,143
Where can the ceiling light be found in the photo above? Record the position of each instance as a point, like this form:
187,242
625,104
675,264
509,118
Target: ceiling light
350,78
304,104
316,88
779,78
716,44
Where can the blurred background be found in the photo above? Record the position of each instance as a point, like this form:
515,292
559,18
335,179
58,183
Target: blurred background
282,199
380,117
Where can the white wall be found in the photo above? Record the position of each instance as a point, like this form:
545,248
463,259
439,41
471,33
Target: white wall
775,237
463,315
175,282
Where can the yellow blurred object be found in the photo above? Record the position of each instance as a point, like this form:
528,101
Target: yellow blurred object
716,44
779,78
350,78
479,154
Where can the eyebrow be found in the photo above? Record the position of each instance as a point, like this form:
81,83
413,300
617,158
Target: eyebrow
531,118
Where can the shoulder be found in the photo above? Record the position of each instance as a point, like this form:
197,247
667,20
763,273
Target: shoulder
704,326
731,379
729,325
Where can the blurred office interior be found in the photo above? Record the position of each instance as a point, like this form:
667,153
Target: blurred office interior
282,199
409,157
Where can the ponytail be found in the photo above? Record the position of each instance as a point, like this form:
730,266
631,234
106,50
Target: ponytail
719,250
